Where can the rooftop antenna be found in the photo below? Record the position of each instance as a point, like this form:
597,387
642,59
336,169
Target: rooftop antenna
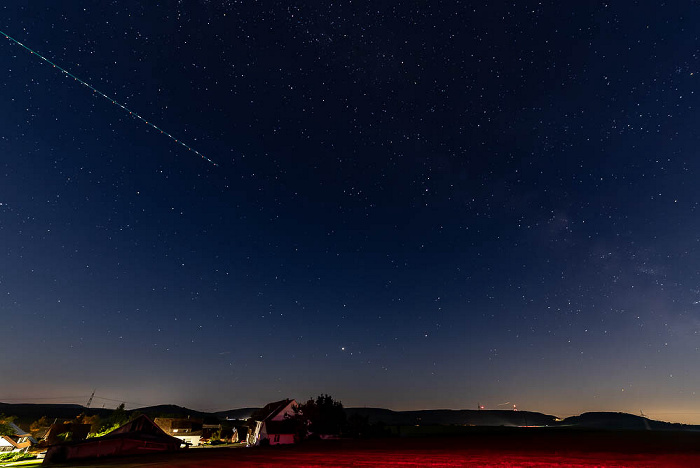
90,400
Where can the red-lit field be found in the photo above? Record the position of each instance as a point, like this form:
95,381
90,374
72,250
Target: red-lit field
493,450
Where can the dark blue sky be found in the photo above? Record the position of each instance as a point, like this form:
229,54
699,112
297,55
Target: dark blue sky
416,204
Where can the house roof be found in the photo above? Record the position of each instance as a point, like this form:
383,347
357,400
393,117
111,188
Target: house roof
18,431
79,431
142,424
273,409
18,435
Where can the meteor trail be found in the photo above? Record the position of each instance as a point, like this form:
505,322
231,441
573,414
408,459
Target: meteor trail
116,103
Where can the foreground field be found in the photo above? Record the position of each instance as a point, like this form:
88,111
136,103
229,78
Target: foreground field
416,459
500,448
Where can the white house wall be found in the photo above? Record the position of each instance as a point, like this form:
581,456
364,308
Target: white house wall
192,440
5,446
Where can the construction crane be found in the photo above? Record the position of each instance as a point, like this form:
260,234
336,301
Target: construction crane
90,400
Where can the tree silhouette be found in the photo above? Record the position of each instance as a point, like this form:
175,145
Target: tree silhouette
5,428
324,415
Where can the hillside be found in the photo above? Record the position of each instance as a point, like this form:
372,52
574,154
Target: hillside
457,417
26,413
623,421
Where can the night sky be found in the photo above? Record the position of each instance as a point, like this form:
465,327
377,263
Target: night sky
416,204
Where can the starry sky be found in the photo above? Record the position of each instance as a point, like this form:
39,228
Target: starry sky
415,204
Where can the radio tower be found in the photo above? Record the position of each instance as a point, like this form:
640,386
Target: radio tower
90,400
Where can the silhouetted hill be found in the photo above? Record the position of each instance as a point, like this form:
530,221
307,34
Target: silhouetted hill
623,421
174,411
460,417
27,413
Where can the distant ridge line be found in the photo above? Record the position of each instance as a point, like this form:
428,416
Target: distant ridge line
29,412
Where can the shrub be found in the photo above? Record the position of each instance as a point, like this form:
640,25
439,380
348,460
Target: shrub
16,456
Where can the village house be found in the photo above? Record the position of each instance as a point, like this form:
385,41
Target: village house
187,430
276,426
20,441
